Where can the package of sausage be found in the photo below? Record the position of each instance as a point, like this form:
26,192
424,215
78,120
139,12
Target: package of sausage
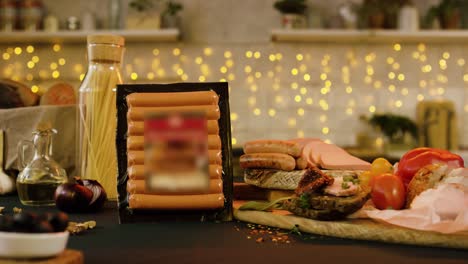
174,152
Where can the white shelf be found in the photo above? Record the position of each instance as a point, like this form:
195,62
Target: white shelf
368,36
158,35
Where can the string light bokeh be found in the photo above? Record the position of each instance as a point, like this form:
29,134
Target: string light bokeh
277,91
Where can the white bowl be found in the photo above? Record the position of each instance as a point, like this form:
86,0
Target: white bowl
27,245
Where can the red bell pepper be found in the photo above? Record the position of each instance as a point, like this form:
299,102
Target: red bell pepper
417,158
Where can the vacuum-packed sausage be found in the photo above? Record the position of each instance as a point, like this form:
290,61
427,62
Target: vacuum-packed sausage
138,128
138,113
139,187
137,172
173,99
138,142
273,146
175,202
136,157
277,161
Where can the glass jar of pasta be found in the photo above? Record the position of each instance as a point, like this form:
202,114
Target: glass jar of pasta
96,157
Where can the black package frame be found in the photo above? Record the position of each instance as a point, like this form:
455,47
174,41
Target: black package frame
127,215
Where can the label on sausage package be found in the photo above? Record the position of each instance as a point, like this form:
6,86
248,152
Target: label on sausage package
176,153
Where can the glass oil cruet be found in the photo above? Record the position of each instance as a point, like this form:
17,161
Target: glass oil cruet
39,177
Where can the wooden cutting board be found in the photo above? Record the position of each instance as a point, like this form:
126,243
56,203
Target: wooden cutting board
66,257
360,229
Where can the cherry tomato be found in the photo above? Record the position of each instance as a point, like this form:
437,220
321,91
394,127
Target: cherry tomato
381,166
388,192
365,178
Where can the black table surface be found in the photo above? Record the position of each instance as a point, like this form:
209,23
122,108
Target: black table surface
194,242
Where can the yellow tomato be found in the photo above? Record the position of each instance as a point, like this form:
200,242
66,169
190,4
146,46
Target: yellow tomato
365,178
380,166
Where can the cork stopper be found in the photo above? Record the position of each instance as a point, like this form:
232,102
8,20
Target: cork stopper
106,39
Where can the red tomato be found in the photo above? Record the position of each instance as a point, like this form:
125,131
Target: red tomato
388,192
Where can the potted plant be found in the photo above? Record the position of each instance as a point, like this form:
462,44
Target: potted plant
292,12
170,16
447,12
371,14
143,14
400,131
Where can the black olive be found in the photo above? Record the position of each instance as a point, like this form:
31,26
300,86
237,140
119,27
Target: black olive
42,227
23,222
6,223
59,221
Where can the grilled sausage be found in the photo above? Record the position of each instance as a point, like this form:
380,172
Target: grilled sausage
273,146
277,161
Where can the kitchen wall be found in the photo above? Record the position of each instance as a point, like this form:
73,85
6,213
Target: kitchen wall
278,90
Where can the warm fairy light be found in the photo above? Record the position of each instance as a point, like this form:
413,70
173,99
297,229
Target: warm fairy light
370,70
56,47
272,57
257,54
176,52
300,111
18,50
390,60
446,55
349,111
461,62
229,63
294,85
150,76
443,64
234,116
300,133
297,98
62,61
368,79
279,56
231,77
325,130
202,78
82,76
299,57
253,88
271,112
423,58
250,79
401,77
223,80
306,77
208,51
258,75
199,60
396,66
426,68
6,56
421,47
29,77
465,108
134,76
223,69
324,90
415,55
397,47
278,99
404,91
294,71
247,69
303,90
53,66
323,118
372,108
180,71
155,52
252,101
55,74
309,101
352,103
391,88
34,88
184,77
257,111
323,76
323,104
440,91
270,74
398,103
349,89
391,75
30,64
442,78
227,54
233,141
420,97
422,83
29,49
465,77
